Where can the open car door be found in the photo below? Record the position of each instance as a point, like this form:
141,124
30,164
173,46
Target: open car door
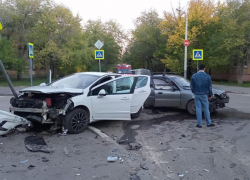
114,99
141,93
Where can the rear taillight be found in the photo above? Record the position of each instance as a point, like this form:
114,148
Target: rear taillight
48,101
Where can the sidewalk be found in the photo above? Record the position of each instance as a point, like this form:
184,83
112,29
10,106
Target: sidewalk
233,89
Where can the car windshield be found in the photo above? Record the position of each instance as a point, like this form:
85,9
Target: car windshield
78,81
182,82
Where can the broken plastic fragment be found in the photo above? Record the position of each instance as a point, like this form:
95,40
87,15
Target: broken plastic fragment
66,151
112,158
22,162
31,167
206,170
181,175
44,159
78,174
143,166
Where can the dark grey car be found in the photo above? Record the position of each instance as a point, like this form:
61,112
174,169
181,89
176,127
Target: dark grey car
174,91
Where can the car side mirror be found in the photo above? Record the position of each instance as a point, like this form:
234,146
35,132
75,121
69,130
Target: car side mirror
42,84
101,93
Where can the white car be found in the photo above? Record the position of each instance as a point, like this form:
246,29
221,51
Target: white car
81,98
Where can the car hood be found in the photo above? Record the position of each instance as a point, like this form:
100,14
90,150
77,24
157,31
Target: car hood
215,91
51,90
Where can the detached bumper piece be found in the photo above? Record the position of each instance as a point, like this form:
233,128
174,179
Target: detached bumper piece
8,122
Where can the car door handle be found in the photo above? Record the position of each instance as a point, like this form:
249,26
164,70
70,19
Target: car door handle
124,98
160,93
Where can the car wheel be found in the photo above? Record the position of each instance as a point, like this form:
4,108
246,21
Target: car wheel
191,107
76,121
136,115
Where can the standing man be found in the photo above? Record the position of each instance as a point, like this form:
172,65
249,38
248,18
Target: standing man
201,86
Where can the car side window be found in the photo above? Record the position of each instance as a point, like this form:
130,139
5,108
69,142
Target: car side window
162,85
119,86
141,82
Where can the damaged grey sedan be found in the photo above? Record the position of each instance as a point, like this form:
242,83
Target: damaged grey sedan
175,91
76,100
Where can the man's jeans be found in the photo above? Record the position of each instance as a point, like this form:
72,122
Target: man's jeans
202,101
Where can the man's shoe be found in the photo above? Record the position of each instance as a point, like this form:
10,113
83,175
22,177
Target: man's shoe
211,125
198,126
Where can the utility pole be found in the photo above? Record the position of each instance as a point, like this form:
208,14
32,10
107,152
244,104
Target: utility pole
185,50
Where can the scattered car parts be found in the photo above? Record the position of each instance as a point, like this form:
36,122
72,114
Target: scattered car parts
8,122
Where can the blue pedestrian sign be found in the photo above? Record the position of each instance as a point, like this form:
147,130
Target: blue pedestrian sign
31,50
99,54
197,54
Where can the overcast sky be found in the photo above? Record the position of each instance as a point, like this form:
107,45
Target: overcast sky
123,11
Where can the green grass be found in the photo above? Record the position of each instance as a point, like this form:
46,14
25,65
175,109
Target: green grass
22,82
232,83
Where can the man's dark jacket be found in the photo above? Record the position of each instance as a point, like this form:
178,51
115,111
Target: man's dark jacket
201,84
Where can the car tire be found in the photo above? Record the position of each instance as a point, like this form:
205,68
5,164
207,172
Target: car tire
136,115
191,107
76,121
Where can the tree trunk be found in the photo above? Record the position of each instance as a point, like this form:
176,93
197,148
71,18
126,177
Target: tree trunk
240,68
18,76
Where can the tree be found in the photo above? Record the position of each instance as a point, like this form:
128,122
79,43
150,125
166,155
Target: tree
147,43
9,57
200,15
234,33
113,37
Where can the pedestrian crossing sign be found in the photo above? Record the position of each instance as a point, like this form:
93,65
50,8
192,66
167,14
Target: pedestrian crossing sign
99,54
197,54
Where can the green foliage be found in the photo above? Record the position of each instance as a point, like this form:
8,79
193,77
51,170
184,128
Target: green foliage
9,57
147,45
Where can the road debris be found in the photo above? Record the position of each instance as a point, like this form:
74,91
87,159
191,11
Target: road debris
21,129
180,175
143,166
206,170
44,159
65,150
112,158
114,149
161,143
78,174
22,162
31,167
37,144
64,132
134,146
121,160
183,135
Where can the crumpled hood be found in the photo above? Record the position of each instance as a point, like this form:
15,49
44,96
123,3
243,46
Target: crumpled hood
218,91
51,90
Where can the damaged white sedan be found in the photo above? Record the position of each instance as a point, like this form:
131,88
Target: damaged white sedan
76,100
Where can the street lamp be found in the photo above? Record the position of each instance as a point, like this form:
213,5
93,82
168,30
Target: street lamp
185,53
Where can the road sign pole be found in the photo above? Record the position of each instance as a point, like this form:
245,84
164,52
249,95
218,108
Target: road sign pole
100,69
185,56
31,73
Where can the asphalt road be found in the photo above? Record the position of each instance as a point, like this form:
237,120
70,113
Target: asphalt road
172,147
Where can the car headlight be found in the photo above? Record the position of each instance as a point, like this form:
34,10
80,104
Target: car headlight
223,95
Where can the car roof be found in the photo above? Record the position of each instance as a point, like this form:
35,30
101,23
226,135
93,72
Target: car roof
168,75
98,73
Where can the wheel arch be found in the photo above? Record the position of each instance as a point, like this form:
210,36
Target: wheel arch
189,102
83,107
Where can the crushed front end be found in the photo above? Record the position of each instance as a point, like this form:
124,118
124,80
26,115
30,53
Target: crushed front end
42,108
218,101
